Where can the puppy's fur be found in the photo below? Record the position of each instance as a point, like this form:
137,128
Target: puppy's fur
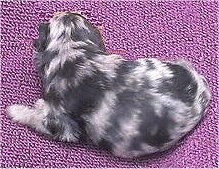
130,108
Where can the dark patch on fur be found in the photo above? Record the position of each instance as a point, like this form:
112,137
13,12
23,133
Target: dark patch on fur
79,99
154,130
125,68
53,125
150,65
182,85
41,43
163,125
123,112
56,124
43,59
70,68
105,145
85,97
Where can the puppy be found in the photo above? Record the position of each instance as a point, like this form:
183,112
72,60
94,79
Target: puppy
131,108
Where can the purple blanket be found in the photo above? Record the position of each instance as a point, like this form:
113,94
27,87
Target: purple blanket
165,30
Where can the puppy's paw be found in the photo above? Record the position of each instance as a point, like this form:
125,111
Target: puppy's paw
18,113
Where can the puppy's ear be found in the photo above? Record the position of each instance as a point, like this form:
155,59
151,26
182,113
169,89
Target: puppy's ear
86,31
97,39
41,43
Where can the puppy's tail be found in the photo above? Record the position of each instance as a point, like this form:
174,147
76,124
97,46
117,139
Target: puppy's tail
46,119
203,94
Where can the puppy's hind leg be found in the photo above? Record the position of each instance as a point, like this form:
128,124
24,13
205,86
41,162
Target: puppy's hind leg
47,120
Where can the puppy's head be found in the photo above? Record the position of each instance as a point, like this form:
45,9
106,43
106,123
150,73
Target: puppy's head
65,27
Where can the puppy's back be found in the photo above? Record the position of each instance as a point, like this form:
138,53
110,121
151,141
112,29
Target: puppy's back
154,105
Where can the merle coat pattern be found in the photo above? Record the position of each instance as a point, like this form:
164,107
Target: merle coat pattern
130,108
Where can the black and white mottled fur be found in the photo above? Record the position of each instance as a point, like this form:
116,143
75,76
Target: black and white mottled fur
130,108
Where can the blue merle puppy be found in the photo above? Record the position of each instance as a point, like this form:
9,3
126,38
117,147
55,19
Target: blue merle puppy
131,108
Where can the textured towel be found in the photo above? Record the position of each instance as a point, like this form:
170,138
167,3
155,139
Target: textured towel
165,30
